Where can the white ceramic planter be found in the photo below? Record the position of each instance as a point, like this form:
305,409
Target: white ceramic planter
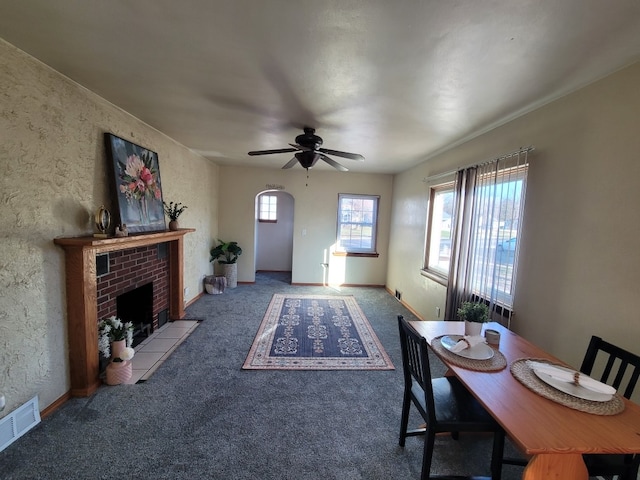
472,328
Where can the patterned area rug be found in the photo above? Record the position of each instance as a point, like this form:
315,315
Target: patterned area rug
316,332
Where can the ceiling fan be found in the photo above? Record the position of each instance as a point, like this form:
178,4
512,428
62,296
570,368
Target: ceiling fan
308,152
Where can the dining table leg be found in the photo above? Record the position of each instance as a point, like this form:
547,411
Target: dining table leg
556,467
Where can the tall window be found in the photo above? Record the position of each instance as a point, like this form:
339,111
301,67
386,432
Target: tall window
357,223
485,209
268,208
495,226
440,220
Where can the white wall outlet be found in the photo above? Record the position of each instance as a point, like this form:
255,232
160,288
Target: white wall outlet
186,291
3,402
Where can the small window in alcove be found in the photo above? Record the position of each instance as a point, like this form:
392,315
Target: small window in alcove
268,208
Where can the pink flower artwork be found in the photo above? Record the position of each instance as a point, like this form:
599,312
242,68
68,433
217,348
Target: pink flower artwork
138,185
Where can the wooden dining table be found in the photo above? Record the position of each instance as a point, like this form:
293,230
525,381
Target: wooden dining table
553,435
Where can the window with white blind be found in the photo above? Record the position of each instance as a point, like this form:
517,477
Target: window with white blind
495,229
268,208
479,219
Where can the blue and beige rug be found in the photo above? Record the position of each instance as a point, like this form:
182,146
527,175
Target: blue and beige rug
316,332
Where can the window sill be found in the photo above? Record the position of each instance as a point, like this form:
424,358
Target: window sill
435,277
356,254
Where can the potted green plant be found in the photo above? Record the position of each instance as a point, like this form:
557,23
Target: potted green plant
173,211
474,315
227,253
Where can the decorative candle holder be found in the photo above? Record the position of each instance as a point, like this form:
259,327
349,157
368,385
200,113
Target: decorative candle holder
103,222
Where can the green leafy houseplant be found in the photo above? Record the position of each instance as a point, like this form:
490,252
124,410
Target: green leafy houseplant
173,210
474,312
226,252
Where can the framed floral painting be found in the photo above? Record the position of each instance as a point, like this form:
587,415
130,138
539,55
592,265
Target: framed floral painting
137,185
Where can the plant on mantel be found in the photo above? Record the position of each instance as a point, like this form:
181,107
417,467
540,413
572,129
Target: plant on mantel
173,211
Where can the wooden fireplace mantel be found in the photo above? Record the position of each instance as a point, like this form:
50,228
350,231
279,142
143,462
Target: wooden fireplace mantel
82,306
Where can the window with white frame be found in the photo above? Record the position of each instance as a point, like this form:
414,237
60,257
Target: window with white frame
268,208
357,223
440,222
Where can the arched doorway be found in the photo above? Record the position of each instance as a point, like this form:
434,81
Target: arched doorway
274,231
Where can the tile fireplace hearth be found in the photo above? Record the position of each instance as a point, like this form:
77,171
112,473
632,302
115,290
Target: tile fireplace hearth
154,350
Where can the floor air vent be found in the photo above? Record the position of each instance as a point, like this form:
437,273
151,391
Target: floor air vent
19,422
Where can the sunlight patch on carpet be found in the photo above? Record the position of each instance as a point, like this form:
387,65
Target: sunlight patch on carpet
316,332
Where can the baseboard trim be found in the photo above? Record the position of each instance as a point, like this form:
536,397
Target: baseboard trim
341,285
201,294
405,305
55,405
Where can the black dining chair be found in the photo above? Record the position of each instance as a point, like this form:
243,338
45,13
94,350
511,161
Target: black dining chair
621,370
444,404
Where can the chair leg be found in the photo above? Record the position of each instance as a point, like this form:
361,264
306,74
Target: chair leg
404,419
429,442
496,455
632,471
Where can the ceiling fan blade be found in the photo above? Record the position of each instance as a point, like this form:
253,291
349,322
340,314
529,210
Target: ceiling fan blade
333,163
352,156
300,147
269,152
290,163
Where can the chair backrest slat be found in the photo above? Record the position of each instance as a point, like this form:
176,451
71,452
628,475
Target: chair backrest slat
616,355
415,362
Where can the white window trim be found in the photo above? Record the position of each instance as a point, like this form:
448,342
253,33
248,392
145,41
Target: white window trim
340,250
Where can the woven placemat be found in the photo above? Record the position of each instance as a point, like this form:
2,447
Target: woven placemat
525,375
495,363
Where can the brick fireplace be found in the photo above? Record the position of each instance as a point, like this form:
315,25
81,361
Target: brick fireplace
130,271
133,261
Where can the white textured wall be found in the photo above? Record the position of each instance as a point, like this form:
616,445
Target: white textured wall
580,271
53,176
316,208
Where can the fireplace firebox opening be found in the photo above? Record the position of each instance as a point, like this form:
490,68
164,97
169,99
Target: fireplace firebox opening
136,306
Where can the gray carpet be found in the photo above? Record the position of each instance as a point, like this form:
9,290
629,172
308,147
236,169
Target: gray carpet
201,417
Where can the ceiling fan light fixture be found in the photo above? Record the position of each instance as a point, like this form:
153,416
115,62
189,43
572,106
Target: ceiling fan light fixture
307,159
308,151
